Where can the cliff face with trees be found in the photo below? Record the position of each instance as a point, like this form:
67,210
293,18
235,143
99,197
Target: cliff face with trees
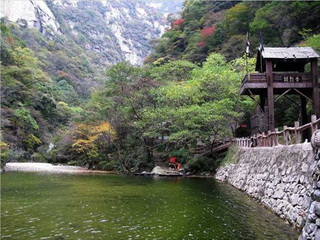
62,102
109,31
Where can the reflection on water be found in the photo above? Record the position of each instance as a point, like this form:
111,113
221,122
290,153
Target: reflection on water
52,206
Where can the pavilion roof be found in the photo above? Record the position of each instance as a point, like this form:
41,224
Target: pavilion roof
289,53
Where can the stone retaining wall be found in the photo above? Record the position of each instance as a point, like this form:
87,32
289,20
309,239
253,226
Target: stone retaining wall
311,230
279,177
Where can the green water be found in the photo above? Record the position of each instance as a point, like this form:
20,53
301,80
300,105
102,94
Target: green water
48,206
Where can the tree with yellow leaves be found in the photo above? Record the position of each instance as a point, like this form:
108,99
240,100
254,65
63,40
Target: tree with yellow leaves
92,140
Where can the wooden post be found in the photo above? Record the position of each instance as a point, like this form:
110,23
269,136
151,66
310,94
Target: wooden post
263,140
296,132
269,143
315,92
314,127
270,95
285,135
276,139
254,140
304,118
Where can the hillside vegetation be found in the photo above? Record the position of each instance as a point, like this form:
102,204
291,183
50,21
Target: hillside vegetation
213,26
59,106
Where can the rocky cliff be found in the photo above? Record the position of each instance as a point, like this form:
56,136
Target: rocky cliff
112,31
30,13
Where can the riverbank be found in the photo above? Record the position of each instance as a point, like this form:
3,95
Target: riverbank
279,177
49,168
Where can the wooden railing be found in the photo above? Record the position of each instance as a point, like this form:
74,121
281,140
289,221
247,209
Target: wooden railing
288,136
255,78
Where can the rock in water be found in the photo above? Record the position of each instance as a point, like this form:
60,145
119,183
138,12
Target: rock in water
158,170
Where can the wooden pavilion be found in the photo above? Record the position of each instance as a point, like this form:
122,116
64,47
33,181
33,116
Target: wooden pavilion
283,71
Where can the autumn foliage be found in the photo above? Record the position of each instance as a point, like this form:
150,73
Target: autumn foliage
178,22
89,138
62,74
207,32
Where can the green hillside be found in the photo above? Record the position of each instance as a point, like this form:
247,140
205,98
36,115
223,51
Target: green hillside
209,26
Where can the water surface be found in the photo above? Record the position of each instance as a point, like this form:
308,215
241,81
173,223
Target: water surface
57,206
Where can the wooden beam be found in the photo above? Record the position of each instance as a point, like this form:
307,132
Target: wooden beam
302,94
292,85
277,98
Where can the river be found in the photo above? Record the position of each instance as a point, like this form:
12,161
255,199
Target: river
87,206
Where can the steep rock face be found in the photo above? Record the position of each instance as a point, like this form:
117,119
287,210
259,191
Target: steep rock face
34,13
112,31
134,25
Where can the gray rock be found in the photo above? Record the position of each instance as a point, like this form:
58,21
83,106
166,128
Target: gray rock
301,221
316,208
312,218
304,167
316,195
311,228
294,199
278,194
301,179
317,235
311,208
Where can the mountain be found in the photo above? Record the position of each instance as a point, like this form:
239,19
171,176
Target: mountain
111,31
76,40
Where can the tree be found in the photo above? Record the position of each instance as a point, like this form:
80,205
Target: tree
128,90
196,109
92,141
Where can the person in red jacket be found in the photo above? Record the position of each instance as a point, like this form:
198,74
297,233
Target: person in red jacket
172,162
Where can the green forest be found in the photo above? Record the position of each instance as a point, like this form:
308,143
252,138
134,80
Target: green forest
59,105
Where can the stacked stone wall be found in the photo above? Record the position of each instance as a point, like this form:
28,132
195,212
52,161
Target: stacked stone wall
311,230
279,177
